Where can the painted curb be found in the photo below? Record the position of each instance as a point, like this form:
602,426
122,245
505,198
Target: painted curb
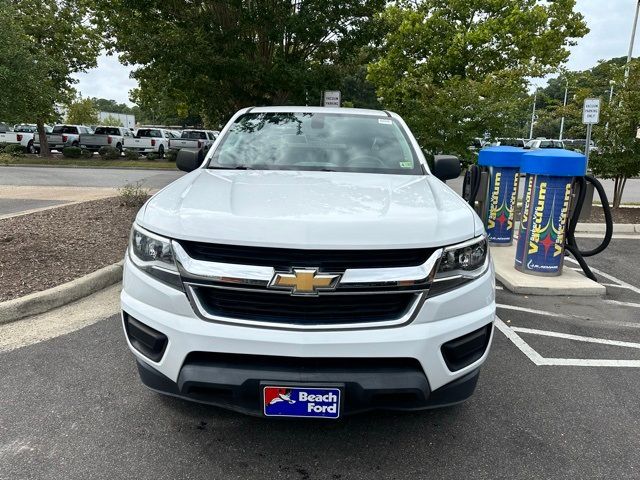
40,302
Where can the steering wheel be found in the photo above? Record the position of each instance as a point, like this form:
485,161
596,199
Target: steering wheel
366,161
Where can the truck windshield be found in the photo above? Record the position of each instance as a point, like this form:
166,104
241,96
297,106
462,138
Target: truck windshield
316,141
194,135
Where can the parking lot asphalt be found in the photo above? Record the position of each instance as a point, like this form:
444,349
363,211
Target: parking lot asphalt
557,399
14,205
85,177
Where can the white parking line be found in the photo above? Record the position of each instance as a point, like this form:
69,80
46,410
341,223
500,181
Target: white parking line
610,277
624,304
534,311
524,347
539,360
614,285
578,338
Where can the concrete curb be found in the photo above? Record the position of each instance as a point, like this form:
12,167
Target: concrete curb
601,227
40,302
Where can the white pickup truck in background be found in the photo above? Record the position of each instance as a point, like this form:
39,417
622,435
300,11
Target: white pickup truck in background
105,137
62,136
194,139
22,134
148,140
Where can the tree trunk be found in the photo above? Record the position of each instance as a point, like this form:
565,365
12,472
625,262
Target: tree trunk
618,187
42,134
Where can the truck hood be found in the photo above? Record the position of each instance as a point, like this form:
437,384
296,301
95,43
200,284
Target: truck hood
310,210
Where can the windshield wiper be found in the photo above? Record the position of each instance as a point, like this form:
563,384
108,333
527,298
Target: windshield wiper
237,167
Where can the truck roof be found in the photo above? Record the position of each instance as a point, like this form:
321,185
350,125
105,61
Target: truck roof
287,109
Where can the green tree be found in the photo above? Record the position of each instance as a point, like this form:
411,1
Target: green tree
63,39
106,105
111,121
618,155
82,111
456,69
25,88
214,57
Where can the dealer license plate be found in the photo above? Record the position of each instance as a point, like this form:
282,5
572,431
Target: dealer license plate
301,402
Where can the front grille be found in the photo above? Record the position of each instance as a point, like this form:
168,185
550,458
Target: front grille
326,260
327,310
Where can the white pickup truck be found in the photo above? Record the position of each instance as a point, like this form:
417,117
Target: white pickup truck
22,134
312,264
105,137
147,140
62,136
194,139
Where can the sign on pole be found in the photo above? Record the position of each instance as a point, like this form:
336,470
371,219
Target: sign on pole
332,98
591,111
590,116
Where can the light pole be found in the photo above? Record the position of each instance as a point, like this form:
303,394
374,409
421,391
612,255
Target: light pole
533,113
633,37
612,83
564,106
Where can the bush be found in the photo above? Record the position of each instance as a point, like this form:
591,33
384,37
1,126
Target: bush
131,155
3,146
86,153
109,153
72,152
14,150
152,156
171,155
133,194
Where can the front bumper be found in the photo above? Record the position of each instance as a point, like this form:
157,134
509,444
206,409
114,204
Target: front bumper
443,318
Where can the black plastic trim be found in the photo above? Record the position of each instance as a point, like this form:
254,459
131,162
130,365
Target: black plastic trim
149,342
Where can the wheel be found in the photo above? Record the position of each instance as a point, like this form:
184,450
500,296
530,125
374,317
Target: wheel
30,147
119,147
161,151
75,144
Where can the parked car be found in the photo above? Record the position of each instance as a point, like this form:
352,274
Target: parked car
543,143
312,265
4,127
22,134
62,136
578,145
194,139
104,136
147,140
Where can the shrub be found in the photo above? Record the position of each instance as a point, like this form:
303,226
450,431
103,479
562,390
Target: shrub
109,153
152,156
72,152
171,155
133,194
131,155
14,150
86,153
3,146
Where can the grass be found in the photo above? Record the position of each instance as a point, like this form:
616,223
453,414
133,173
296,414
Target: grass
83,162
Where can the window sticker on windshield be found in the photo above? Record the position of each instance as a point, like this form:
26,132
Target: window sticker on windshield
406,164
385,121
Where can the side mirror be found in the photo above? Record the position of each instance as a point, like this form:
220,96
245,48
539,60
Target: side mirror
189,159
446,167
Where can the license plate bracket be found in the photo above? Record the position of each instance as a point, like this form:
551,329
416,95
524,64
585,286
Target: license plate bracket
311,401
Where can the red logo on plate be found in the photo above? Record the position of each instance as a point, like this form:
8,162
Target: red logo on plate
273,395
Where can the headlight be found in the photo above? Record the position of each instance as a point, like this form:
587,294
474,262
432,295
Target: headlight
460,264
153,254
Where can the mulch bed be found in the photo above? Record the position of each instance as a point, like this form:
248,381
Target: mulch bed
45,249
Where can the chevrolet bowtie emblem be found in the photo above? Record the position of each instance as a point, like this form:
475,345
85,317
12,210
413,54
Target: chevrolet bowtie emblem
304,281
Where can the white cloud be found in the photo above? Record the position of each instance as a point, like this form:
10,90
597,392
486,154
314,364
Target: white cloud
110,80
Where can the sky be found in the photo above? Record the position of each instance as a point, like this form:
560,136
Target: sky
610,22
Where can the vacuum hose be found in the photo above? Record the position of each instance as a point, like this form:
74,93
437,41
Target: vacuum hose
472,182
570,240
